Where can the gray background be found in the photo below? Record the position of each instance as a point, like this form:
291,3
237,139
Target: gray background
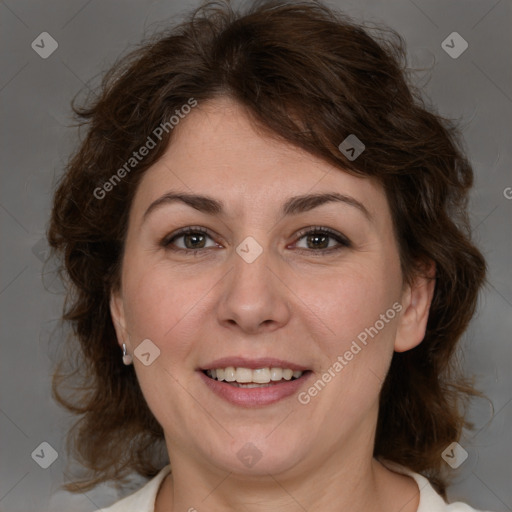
35,94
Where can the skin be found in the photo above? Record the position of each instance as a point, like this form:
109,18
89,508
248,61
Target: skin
291,303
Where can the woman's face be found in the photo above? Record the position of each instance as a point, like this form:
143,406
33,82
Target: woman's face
256,291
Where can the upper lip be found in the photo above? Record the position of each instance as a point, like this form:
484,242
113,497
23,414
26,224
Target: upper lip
253,364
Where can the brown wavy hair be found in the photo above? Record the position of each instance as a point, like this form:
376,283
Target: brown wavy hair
308,76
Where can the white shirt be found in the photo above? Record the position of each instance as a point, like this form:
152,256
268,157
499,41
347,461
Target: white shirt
143,500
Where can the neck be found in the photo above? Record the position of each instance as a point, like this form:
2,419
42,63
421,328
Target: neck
352,482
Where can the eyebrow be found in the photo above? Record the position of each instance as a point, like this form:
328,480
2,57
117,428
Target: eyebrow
293,205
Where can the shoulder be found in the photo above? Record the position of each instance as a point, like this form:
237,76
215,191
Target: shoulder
430,500
142,500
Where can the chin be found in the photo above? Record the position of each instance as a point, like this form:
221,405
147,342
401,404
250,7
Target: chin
259,457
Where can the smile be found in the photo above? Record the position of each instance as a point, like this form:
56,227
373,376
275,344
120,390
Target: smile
252,378
248,387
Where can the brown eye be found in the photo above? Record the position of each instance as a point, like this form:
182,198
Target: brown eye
318,239
194,239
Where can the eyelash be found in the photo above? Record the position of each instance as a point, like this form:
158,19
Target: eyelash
313,230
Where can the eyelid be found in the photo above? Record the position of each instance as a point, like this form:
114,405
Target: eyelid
333,233
342,241
185,231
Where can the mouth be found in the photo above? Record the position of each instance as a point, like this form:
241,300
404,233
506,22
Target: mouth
253,386
248,378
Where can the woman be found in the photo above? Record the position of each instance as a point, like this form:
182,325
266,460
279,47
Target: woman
270,266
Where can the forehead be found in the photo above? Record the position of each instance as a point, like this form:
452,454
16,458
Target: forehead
216,150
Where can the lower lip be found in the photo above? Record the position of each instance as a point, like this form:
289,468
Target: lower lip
252,397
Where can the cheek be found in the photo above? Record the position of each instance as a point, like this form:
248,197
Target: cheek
356,323
349,300
158,299
163,305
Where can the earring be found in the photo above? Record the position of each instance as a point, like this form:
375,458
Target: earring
127,358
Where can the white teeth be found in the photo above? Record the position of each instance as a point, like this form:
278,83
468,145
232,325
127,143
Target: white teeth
287,374
250,385
243,375
229,374
258,376
276,373
261,375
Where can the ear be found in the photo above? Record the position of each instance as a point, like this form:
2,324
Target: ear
118,316
416,300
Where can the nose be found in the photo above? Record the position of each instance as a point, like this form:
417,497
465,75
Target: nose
254,296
